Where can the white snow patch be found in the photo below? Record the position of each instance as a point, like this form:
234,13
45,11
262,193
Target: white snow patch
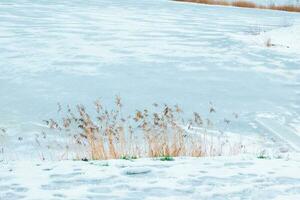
284,39
185,178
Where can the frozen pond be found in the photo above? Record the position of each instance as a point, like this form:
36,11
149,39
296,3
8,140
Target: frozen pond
146,51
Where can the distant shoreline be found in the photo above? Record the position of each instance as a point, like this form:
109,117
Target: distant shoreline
246,4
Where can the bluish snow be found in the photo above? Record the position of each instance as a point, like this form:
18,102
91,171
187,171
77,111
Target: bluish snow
150,51
219,178
146,51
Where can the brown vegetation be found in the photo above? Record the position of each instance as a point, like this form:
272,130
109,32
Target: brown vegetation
246,4
109,134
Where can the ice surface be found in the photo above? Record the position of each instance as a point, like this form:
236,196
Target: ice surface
146,51
150,51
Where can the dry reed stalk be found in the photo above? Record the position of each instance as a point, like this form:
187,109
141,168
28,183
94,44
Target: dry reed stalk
246,4
148,134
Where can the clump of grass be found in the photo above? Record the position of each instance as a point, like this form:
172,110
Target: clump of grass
166,158
246,4
210,2
108,134
100,164
263,155
3,130
289,8
269,43
129,157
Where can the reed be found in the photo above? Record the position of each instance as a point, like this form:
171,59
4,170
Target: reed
162,132
246,4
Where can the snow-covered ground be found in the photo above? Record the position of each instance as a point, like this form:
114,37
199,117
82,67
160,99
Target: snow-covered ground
150,51
284,39
222,178
146,51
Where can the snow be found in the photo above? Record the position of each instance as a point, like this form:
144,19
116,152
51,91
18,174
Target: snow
239,177
290,136
151,51
146,51
283,39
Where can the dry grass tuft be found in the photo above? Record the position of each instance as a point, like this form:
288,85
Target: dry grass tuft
110,135
289,8
268,43
210,2
246,4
